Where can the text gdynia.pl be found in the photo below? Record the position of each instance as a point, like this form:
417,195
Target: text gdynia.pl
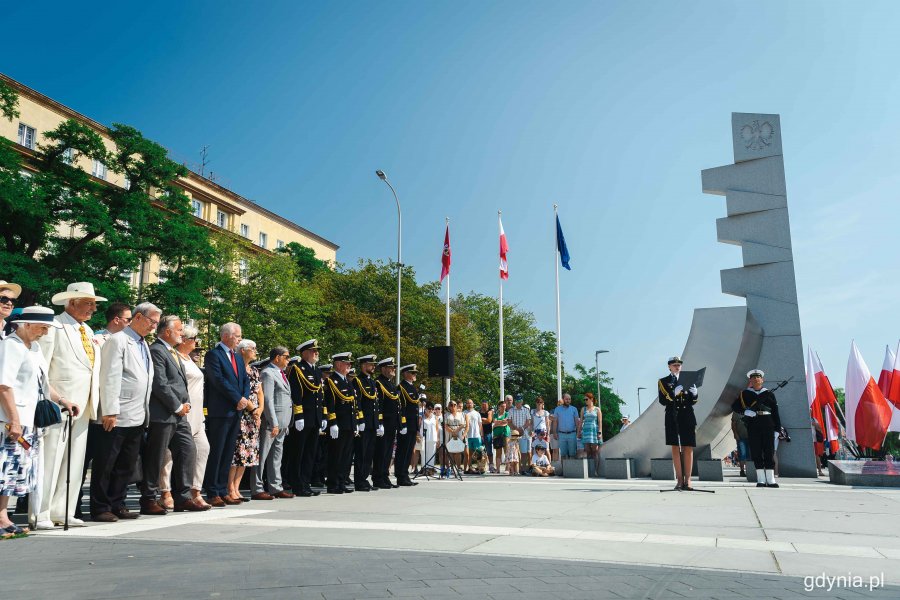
848,581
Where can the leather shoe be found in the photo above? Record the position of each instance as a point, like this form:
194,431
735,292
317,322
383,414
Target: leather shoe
349,489
105,517
215,501
191,506
231,501
124,513
335,490
167,501
304,494
152,507
284,494
262,496
361,488
406,483
313,492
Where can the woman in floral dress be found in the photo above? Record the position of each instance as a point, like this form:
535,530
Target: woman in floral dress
246,451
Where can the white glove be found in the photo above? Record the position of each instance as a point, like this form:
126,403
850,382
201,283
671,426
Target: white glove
298,424
403,431
693,390
361,427
749,413
380,431
678,390
333,430
324,425
357,429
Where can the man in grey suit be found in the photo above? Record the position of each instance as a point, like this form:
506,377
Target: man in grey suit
169,427
126,376
276,422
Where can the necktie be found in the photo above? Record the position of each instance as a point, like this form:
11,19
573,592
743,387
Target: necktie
283,376
88,347
177,360
233,362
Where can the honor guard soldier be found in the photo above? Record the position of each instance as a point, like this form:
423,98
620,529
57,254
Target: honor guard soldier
321,461
342,415
389,401
302,442
409,425
760,410
681,424
370,426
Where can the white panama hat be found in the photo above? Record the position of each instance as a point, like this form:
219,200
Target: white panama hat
80,289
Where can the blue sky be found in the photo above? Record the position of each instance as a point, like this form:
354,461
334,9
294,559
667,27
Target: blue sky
609,109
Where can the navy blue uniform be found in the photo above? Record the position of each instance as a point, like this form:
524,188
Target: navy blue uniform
389,400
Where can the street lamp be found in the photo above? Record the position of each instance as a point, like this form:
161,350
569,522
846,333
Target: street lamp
639,399
383,177
597,368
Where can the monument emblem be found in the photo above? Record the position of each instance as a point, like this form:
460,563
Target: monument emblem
757,135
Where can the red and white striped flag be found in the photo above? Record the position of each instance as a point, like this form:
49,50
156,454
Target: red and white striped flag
868,413
890,380
832,429
893,393
504,248
445,256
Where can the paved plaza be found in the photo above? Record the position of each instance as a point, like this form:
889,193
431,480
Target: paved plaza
492,537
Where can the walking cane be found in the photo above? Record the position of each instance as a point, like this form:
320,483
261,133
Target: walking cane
68,467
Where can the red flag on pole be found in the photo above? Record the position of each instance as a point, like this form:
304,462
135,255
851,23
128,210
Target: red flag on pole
893,393
504,248
445,257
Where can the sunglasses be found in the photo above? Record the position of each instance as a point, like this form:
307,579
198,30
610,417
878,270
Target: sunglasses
7,300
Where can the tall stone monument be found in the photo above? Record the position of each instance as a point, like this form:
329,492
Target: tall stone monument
757,221
729,341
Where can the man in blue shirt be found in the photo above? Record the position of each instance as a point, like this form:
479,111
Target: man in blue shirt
565,424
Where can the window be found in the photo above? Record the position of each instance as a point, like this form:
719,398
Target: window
279,244
245,230
197,208
221,219
243,270
99,170
263,240
68,156
26,135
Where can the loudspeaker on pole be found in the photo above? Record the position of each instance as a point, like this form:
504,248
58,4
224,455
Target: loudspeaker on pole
441,362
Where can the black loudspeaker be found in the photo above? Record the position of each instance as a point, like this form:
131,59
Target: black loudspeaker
440,362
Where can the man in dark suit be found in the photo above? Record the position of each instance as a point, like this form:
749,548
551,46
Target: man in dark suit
389,401
169,427
409,425
225,391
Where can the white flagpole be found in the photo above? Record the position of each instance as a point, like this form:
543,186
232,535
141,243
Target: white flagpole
500,311
447,393
558,342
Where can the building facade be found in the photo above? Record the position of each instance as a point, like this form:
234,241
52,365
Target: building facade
214,206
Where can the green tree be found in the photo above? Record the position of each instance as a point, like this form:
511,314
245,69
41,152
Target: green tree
584,380
9,101
84,228
305,258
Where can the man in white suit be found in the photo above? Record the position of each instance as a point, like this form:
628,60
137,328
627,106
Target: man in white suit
126,378
74,361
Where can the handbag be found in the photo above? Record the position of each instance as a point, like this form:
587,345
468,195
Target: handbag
47,412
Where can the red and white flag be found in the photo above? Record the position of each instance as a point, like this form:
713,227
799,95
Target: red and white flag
868,412
887,370
832,429
445,256
893,393
504,248
818,387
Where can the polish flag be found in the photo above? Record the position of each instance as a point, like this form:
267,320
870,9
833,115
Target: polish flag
445,256
504,248
868,412
893,393
832,429
890,373
818,387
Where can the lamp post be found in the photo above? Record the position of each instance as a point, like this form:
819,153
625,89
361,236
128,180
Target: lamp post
597,368
639,399
384,178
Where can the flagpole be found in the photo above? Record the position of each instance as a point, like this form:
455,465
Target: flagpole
447,387
558,342
500,311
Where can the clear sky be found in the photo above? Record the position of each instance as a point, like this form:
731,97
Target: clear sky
609,109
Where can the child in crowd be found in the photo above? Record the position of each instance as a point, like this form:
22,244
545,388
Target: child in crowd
540,462
513,456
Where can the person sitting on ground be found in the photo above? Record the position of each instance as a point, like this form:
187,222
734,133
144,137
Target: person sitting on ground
540,462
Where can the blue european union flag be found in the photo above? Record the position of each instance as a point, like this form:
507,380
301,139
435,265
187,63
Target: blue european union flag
561,246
